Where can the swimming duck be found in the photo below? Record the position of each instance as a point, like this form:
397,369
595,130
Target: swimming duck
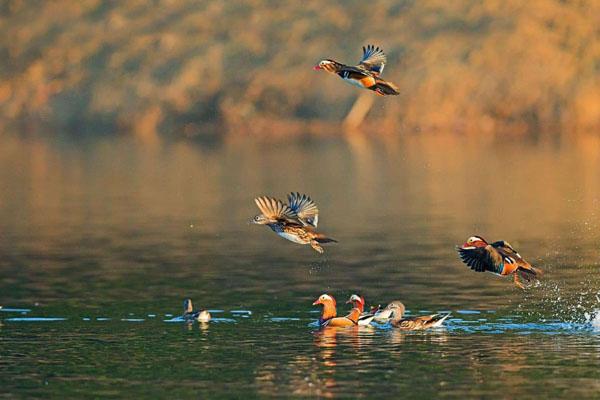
366,74
189,315
498,258
329,313
421,322
358,302
295,221
383,315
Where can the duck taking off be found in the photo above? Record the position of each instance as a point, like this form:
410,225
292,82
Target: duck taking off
498,258
366,75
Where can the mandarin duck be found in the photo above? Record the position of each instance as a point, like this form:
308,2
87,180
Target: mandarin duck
295,221
398,320
383,315
366,74
329,313
189,315
498,258
358,302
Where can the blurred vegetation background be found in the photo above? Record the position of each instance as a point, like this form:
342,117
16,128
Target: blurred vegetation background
189,68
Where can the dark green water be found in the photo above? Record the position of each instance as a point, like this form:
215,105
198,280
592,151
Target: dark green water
110,236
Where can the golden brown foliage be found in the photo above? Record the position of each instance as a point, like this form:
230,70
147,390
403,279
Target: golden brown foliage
175,67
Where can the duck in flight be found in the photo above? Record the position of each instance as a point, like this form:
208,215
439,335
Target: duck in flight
295,221
366,75
498,258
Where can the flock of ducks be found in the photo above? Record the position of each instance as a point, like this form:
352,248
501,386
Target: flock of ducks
392,314
297,221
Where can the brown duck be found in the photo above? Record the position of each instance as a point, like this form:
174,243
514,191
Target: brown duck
395,313
295,221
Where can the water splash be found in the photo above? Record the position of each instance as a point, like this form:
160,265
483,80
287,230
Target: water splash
593,319
562,302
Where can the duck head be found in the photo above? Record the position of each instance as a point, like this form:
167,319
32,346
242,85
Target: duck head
327,65
393,310
328,303
324,299
357,302
260,220
474,242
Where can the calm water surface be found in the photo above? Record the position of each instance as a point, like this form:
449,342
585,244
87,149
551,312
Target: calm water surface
100,241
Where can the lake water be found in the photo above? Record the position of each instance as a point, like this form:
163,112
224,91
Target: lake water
101,240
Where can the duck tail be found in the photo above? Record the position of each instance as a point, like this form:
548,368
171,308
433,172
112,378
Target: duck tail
386,88
529,272
438,319
320,238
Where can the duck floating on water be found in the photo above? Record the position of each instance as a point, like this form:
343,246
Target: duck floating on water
394,313
498,258
366,74
329,313
358,302
189,315
295,221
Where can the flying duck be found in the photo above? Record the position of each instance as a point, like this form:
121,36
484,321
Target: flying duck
366,75
498,258
295,221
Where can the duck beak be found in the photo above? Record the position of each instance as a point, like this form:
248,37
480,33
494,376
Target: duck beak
316,68
316,302
349,301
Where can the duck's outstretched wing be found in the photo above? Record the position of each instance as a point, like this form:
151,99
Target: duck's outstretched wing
481,259
373,59
275,209
305,209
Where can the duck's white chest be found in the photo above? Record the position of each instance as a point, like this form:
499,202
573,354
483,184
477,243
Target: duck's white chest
353,82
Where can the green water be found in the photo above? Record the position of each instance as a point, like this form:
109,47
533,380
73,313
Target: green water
109,237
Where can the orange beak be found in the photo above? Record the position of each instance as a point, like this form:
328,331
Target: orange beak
317,67
317,302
